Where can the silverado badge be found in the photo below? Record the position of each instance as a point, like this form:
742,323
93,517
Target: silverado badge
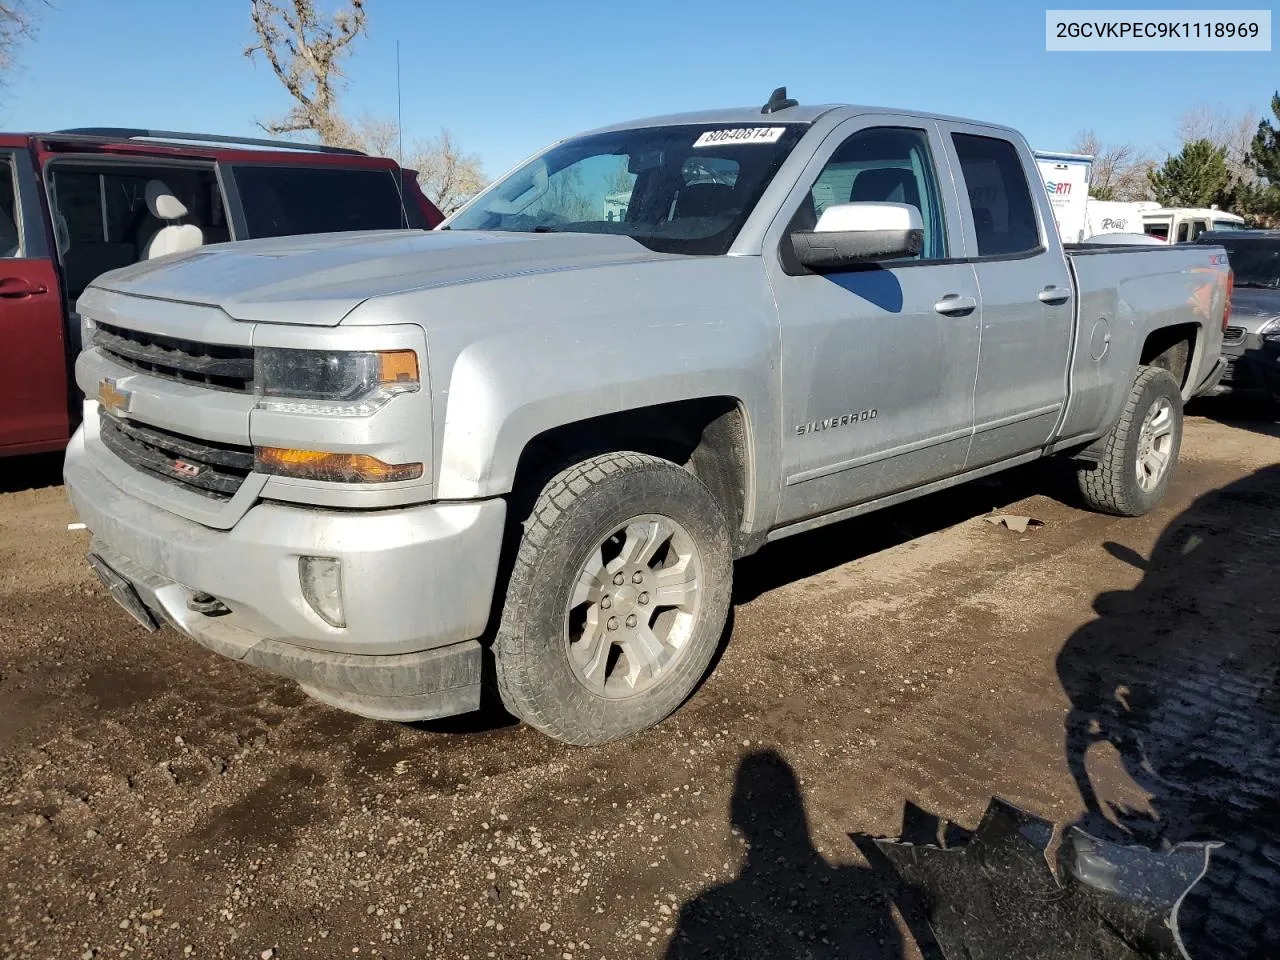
113,399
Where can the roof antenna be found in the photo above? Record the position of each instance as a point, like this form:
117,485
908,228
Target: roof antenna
400,139
778,100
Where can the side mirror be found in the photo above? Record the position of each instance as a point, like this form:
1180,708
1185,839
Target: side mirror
852,233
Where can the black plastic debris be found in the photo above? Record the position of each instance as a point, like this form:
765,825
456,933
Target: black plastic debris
998,893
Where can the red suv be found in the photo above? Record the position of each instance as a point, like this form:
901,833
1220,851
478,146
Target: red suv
77,203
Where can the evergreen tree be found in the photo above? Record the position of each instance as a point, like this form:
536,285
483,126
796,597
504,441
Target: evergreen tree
1195,177
1263,198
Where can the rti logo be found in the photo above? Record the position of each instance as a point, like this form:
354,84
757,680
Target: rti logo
1057,189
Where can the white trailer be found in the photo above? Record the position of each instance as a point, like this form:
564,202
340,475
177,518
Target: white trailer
1066,180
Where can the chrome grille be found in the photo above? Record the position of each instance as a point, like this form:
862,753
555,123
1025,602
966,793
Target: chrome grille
213,469
216,365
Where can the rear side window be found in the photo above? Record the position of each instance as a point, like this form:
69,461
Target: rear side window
10,239
284,201
1004,217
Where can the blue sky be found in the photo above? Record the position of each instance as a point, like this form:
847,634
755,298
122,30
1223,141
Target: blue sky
508,77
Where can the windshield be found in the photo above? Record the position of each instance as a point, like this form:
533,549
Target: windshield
678,189
1227,225
1255,263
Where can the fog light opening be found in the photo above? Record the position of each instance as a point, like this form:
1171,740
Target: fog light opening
321,580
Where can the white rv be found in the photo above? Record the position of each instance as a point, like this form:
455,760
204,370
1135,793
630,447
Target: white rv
1115,216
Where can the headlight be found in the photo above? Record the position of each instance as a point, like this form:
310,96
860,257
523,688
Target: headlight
1270,331
332,383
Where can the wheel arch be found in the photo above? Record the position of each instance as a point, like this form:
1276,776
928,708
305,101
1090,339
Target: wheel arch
710,436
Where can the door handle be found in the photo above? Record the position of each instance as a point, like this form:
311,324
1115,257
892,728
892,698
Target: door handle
1054,295
17,287
953,303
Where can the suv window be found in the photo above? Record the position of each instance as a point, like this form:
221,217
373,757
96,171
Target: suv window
281,201
10,239
1004,217
886,165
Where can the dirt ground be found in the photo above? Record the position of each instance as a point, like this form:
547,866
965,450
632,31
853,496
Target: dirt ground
158,801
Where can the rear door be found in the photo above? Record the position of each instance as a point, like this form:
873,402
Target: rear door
34,413
1026,295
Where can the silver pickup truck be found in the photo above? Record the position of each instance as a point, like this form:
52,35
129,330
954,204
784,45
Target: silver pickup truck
527,447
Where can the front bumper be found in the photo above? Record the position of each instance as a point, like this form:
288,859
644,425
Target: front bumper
417,585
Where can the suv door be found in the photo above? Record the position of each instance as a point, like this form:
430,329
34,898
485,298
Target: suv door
34,412
1026,295
878,361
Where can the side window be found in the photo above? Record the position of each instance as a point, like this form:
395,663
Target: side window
10,238
1004,217
1197,228
887,165
283,201
1159,230
1183,227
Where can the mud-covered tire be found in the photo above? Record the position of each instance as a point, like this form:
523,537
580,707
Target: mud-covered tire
1114,484
575,519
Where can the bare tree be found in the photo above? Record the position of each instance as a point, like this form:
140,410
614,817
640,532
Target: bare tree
1119,170
376,136
17,25
1232,133
305,49
448,175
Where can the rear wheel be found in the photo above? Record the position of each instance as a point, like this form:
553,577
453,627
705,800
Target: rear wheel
1141,451
617,599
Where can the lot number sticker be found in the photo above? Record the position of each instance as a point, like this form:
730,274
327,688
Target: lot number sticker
740,135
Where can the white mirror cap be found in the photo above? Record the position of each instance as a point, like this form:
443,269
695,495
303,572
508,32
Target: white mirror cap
867,217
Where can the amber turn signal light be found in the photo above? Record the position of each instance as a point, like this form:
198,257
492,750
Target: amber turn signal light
335,467
397,366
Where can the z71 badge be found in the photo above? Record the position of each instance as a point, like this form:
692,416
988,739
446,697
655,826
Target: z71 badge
844,420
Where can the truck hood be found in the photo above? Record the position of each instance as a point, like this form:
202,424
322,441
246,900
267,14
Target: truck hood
1251,307
319,279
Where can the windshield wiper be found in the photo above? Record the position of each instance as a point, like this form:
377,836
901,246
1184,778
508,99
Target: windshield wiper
1256,286
543,228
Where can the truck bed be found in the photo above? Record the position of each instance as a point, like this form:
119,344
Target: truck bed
1123,293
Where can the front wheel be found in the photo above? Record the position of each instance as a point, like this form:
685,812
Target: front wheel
1141,451
617,599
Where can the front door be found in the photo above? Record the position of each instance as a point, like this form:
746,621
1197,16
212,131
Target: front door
33,361
878,362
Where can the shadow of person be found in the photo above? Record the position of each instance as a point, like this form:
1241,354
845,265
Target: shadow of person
1181,678
787,900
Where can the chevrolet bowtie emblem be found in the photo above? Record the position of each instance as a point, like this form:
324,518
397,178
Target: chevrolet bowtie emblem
113,399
